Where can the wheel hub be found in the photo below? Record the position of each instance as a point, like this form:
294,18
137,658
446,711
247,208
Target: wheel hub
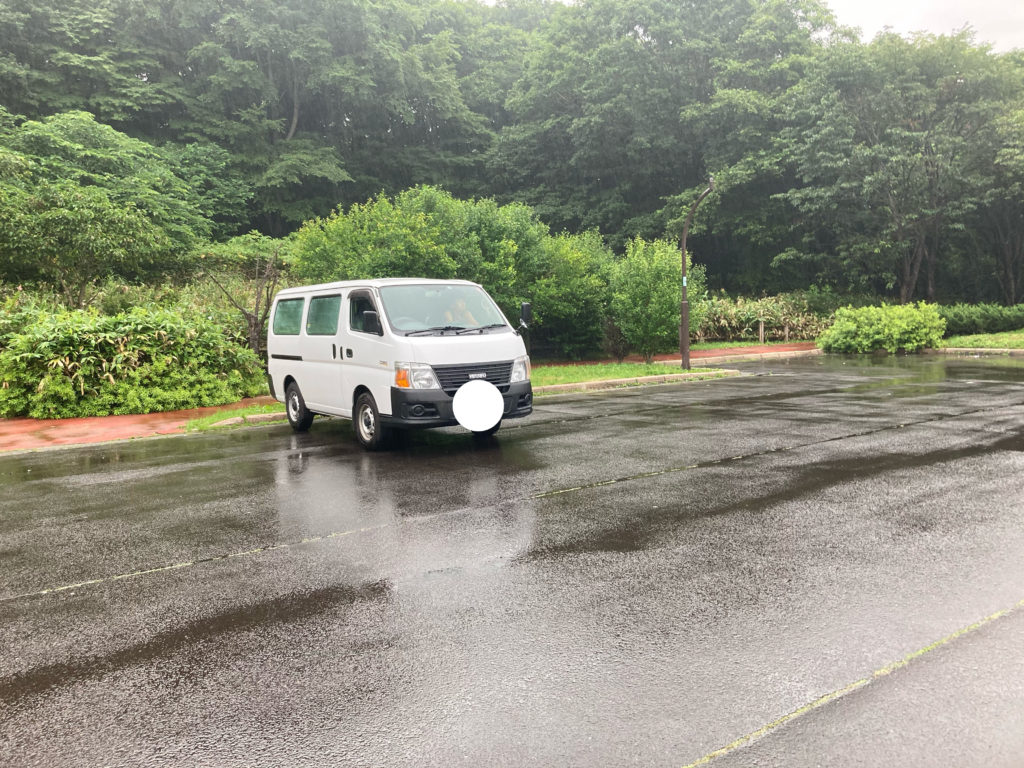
366,423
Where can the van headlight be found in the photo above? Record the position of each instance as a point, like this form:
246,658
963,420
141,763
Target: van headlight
415,376
520,369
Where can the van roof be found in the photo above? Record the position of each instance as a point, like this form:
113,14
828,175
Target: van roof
375,283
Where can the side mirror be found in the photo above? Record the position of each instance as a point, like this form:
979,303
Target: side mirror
525,314
371,323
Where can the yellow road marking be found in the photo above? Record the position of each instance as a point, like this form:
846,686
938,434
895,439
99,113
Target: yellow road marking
888,669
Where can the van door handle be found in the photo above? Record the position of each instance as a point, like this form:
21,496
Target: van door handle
334,351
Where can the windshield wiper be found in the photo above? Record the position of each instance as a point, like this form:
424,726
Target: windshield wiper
437,329
480,328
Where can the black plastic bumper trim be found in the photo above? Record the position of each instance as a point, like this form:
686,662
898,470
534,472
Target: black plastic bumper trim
437,406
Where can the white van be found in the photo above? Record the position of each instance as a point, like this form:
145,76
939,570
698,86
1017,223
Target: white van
403,353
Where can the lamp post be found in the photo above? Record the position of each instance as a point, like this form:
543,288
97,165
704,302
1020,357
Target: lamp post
684,305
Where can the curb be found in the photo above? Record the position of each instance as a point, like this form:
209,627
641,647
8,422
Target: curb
743,358
635,381
975,352
255,418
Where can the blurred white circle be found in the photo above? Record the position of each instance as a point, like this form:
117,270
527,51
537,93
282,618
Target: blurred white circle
478,405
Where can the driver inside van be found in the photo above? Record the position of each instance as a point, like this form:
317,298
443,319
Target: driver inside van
458,313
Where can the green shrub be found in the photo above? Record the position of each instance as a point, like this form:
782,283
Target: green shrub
787,316
645,294
908,327
81,363
967,319
569,293
21,307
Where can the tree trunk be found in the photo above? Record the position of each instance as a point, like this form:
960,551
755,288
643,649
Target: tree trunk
929,260
911,270
295,107
254,332
1011,261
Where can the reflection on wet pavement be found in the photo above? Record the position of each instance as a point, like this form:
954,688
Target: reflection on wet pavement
636,576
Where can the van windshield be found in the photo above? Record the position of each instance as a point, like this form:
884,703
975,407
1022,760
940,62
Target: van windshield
428,309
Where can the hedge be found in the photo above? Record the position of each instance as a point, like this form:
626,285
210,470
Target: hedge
969,319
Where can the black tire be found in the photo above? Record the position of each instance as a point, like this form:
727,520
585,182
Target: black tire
300,417
370,433
488,432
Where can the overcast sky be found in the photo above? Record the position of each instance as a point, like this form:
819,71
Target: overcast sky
999,22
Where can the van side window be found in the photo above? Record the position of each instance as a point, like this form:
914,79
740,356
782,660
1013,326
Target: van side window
322,319
358,305
288,317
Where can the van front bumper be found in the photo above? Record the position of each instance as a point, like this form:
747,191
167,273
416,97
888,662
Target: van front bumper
422,408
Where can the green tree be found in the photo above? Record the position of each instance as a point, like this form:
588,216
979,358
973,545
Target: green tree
375,239
73,236
72,147
998,229
645,296
425,232
223,195
744,225
882,141
620,104
64,55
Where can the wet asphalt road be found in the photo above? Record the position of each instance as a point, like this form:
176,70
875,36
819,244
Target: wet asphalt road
821,566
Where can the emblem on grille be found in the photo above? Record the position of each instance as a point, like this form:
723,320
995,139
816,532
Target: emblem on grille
478,375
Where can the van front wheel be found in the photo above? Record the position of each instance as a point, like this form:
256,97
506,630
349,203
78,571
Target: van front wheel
370,433
300,417
488,432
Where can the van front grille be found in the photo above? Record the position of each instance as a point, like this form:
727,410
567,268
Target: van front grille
451,377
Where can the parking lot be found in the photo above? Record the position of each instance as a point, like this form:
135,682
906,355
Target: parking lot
818,563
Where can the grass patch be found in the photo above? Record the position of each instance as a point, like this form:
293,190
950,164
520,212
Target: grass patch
543,375
1007,340
204,423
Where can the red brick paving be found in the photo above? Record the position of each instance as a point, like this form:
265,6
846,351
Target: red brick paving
29,434
697,354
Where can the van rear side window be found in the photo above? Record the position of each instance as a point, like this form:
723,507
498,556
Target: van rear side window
288,317
323,315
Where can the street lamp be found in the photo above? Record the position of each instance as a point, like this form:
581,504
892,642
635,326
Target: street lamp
684,305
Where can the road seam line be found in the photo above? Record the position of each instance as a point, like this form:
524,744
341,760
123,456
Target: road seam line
536,496
190,563
821,701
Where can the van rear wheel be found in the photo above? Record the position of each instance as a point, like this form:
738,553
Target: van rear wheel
370,433
300,417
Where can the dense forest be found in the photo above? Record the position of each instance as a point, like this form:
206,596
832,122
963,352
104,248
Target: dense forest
890,168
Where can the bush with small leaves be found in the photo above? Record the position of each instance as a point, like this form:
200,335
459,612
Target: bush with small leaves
907,327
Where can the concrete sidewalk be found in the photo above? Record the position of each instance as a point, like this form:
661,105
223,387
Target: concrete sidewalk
23,434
